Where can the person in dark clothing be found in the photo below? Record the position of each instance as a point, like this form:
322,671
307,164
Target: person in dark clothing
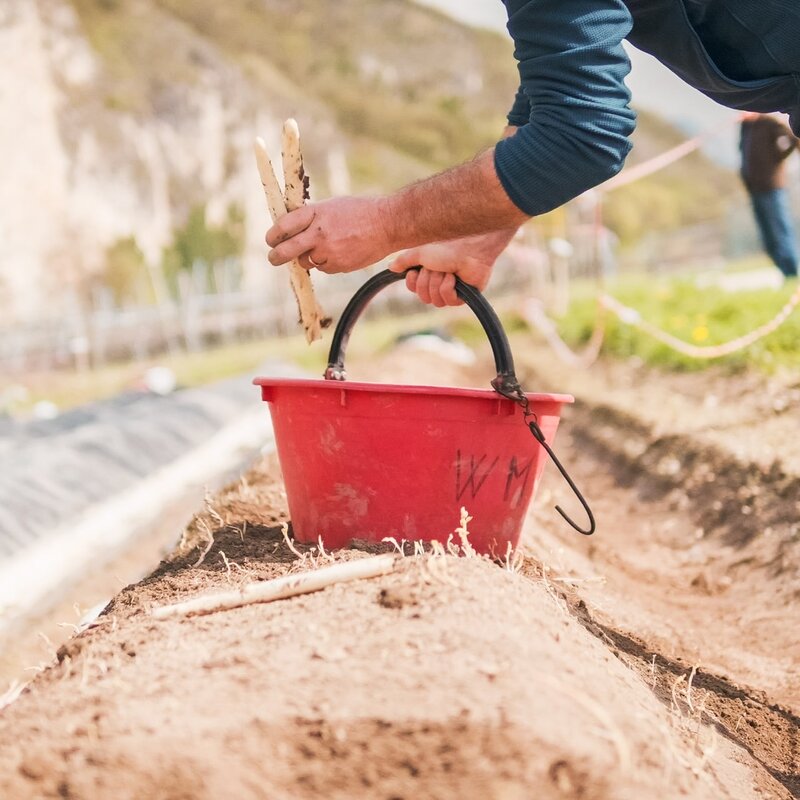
568,131
766,143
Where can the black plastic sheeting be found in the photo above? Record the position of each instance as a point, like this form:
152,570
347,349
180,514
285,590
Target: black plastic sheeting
51,471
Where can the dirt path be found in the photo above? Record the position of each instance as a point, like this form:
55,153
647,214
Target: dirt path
450,678
695,570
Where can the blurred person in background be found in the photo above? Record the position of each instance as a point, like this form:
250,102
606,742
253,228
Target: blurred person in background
766,143
568,131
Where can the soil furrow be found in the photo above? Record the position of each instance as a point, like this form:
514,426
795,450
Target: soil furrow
612,668
769,733
745,716
688,534
729,499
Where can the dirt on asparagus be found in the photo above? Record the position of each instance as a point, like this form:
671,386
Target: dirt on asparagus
627,666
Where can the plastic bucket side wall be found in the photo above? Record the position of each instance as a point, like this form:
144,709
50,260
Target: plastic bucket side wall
367,465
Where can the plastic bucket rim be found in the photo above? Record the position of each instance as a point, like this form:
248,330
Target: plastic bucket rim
413,389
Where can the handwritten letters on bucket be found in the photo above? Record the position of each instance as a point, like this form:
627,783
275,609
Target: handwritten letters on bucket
472,472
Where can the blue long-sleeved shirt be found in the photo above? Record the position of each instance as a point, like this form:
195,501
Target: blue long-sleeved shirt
572,106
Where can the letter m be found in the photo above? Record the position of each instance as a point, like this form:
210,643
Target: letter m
519,475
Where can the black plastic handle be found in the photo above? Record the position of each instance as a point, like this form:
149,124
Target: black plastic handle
505,383
506,380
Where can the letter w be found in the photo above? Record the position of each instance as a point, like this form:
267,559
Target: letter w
475,477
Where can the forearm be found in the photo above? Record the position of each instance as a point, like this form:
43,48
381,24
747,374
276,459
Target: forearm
463,201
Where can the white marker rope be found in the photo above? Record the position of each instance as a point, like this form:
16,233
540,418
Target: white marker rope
630,316
534,315
659,162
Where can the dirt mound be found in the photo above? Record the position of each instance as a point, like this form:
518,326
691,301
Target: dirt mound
697,553
695,485
448,678
619,666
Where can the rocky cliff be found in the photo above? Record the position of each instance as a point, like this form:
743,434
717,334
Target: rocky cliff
119,116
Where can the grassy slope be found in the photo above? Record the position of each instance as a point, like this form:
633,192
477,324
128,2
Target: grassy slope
412,88
397,79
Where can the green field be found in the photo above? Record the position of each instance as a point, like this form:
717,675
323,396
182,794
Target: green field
700,316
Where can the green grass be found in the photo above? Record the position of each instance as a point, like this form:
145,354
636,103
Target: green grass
698,316
675,304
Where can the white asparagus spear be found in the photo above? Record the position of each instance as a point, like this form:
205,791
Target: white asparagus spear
294,174
312,317
280,588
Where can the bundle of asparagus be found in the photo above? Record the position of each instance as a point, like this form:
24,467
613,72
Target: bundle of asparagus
282,201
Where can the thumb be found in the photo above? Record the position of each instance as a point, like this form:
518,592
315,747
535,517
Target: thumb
406,259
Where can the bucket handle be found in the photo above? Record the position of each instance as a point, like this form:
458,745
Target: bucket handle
505,383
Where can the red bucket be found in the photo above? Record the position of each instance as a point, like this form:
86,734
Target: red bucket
369,461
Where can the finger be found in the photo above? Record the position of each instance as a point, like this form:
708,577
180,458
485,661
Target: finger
305,262
448,291
435,289
411,280
423,286
329,267
293,248
475,274
290,225
436,259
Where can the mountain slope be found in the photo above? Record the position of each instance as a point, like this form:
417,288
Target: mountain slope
125,116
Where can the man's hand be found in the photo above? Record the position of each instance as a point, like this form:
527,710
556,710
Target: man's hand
349,233
339,235
471,259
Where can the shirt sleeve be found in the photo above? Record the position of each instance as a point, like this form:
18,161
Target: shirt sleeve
572,69
520,112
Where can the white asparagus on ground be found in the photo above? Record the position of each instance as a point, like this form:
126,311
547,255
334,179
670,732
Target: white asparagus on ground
312,317
280,588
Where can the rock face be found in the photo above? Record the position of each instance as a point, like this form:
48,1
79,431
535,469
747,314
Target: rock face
119,116
30,141
82,173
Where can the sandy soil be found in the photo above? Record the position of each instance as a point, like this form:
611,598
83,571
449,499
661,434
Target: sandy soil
699,546
749,414
655,660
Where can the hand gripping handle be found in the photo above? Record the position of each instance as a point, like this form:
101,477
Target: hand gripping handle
505,381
